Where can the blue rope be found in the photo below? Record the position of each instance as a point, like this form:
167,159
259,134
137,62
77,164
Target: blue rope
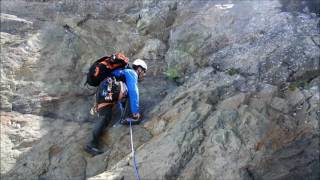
133,155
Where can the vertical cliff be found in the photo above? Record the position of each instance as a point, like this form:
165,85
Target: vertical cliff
232,91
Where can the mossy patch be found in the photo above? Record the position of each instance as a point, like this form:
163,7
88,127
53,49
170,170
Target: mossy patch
172,73
304,80
299,84
233,71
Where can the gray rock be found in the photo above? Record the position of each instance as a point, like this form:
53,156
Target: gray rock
233,102
13,24
295,97
152,52
280,104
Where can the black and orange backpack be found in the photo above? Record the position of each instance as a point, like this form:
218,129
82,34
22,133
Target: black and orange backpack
103,67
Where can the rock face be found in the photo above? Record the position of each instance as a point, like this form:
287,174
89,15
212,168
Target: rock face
232,90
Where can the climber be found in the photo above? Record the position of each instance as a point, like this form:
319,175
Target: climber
124,83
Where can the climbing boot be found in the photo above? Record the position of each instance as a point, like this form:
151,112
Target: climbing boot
92,150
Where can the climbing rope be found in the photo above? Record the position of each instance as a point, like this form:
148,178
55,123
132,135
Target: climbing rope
123,111
133,155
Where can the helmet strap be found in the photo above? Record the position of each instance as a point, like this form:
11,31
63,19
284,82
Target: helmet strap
141,73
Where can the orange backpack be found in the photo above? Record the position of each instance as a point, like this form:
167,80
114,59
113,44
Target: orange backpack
103,67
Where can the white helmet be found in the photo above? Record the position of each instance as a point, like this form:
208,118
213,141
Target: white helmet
140,62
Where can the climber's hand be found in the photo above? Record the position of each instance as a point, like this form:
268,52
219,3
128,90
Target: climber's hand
136,116
134,119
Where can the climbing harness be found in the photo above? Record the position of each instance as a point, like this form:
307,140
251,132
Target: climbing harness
133,155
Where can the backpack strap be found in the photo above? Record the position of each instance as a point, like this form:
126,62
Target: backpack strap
104,63
102,105
97,71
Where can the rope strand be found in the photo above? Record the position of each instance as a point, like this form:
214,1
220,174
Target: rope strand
133,155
